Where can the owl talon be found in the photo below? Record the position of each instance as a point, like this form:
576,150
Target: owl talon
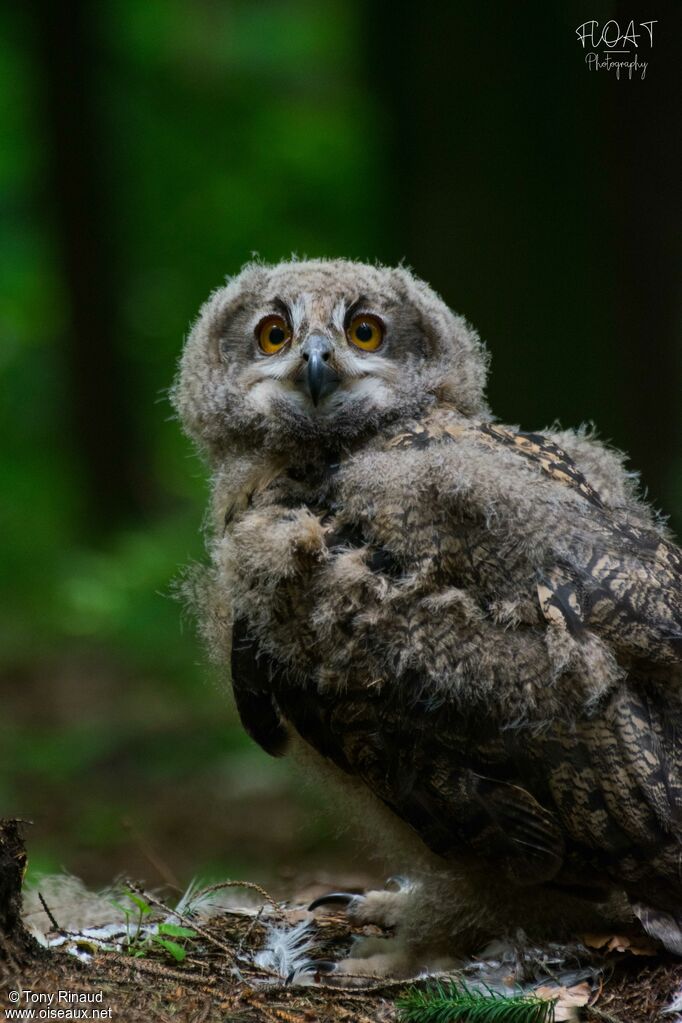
335,898
313,968
397,883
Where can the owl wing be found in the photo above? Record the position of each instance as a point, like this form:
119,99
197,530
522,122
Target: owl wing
626,586
582,807
618,781
621,580
409,760
458,794
578,808
253,691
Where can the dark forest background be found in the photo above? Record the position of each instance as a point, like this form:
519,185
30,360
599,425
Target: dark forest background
148,149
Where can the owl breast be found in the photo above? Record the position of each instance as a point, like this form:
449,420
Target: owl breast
355,587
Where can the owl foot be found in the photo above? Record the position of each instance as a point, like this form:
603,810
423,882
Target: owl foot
384,908
311,972
372,957
367,966
334,898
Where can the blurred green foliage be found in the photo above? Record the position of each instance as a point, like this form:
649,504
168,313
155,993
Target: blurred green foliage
228,128
225,128
217,130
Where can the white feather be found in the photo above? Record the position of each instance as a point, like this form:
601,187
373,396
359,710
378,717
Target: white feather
675,1007
286,949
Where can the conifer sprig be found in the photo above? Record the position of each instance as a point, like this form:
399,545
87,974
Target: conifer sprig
456,1003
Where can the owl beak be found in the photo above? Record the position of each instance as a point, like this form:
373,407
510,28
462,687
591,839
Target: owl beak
319,376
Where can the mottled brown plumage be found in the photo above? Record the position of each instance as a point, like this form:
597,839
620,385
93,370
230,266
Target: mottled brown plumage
479,628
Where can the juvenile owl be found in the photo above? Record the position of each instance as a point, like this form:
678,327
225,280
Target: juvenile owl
471,633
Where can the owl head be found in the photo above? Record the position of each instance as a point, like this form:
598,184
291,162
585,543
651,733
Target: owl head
321,352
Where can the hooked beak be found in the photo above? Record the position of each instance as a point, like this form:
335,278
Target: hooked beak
321,379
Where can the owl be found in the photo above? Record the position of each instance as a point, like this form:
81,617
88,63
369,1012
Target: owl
469,634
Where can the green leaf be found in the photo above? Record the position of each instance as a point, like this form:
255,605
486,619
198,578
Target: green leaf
177,951
140,903
177,932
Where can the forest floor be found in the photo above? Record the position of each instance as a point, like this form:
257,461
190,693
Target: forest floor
216,973
205,989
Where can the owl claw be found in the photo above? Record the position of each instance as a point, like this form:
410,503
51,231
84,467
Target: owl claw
313,968
340,898
397,883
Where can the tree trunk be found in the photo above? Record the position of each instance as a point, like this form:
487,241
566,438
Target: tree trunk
645,168
105,438
15,942
543,201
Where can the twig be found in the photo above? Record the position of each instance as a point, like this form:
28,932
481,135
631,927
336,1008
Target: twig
241,884
273,1013
247,933
187,921
203,1012
133,963
597,994
600,1014
50,916
359,992
387,984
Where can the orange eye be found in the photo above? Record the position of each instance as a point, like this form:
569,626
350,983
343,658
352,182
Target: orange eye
273,333
366,332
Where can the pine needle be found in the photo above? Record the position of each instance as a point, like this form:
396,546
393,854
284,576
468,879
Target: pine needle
457,1003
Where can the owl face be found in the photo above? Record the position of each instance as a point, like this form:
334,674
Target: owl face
321,351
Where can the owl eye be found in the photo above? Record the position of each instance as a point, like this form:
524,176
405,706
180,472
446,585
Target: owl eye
366,332
273,333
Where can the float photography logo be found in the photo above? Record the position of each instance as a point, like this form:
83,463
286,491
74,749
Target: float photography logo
612,49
